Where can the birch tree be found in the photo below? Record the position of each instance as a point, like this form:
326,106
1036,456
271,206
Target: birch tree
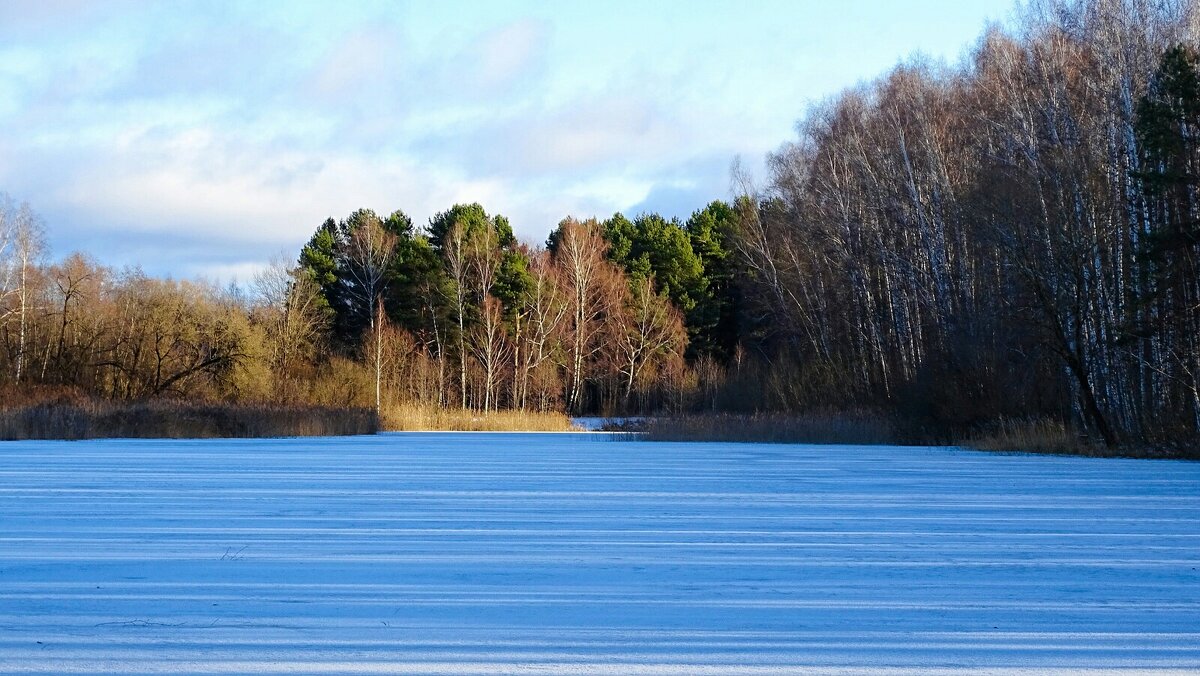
648,330
22,247
580,257
454,251
369,251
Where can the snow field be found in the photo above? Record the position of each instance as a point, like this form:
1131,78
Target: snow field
502,553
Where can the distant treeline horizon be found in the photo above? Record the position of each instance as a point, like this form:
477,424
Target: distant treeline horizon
1015,237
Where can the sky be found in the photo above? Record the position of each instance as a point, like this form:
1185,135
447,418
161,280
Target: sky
201,138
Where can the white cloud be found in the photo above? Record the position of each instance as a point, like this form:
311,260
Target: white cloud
242,273
243,194
506,54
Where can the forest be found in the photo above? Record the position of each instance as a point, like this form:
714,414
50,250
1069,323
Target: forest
1012,237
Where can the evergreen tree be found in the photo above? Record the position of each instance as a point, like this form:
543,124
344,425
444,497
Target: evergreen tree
713,323
651,246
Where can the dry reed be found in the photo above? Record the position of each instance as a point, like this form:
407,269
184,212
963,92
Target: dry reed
809,428
419,418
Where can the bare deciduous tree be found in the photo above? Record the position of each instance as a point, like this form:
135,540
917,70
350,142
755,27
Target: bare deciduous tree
587,277
291,314
369,250
647,329
22,246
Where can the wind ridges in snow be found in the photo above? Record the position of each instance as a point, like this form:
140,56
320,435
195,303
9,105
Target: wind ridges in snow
431,554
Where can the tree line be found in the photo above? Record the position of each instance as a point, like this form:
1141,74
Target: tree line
606,316
1015,236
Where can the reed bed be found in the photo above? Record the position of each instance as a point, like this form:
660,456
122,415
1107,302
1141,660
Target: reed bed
180,420
810,428
419,418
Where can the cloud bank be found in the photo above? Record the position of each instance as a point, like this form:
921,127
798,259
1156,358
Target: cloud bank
200,138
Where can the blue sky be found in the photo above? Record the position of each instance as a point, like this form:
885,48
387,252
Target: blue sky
200,138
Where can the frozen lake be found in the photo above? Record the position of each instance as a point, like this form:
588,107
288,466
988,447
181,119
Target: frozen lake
528,553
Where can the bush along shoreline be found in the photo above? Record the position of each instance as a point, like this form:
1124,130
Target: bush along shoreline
870,428
168,419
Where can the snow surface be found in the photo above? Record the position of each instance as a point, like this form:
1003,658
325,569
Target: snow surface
482,554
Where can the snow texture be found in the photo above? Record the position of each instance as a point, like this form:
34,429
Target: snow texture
527,553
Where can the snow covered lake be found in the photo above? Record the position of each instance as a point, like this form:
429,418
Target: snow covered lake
552,553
